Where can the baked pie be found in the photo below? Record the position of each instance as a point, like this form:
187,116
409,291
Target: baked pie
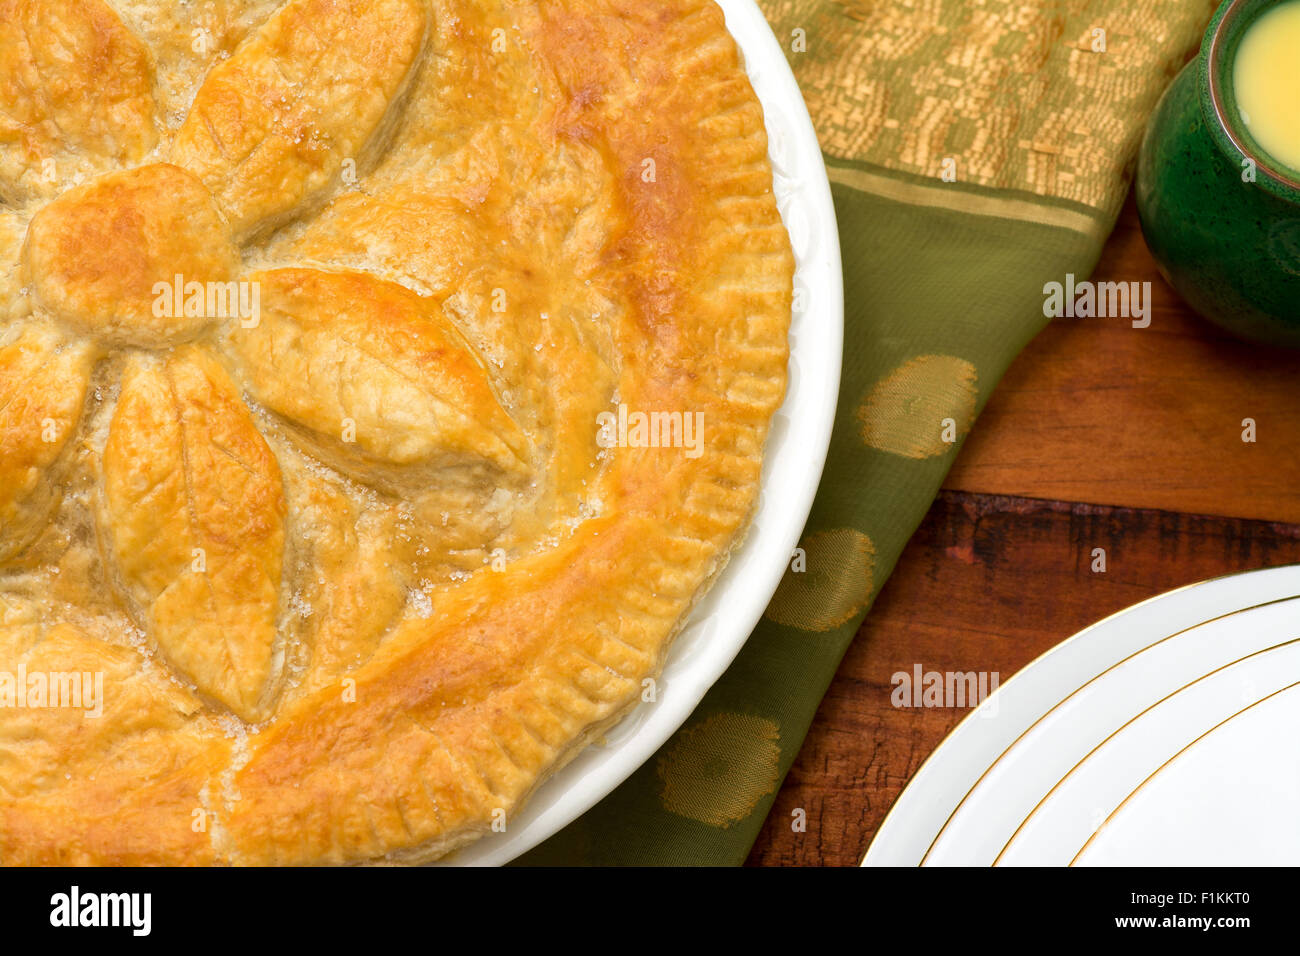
381,383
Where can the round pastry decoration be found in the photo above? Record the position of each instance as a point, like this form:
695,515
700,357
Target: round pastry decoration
313,548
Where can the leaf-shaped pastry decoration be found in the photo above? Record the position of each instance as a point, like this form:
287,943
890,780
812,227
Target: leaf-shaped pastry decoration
273,125
123,701
76,94
42,392
195,510
376,369
440,238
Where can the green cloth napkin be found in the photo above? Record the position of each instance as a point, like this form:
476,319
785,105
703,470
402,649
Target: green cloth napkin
977,150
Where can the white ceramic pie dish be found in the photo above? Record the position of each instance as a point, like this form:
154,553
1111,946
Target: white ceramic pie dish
796,452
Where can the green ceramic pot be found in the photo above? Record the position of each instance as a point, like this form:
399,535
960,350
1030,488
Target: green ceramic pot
1221,218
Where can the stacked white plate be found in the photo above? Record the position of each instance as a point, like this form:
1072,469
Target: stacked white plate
1166,735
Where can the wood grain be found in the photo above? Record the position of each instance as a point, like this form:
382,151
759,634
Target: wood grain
987,584
1095,410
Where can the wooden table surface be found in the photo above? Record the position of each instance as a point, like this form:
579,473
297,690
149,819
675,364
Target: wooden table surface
1100,436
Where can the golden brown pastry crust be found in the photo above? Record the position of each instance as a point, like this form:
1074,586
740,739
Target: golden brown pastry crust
332,347
189,481
94,255
357,571
75,95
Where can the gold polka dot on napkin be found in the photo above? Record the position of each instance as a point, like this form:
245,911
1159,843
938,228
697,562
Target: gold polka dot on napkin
716,771
922,408
829,584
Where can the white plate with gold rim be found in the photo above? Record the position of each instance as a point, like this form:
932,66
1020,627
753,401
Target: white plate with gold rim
1164,735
